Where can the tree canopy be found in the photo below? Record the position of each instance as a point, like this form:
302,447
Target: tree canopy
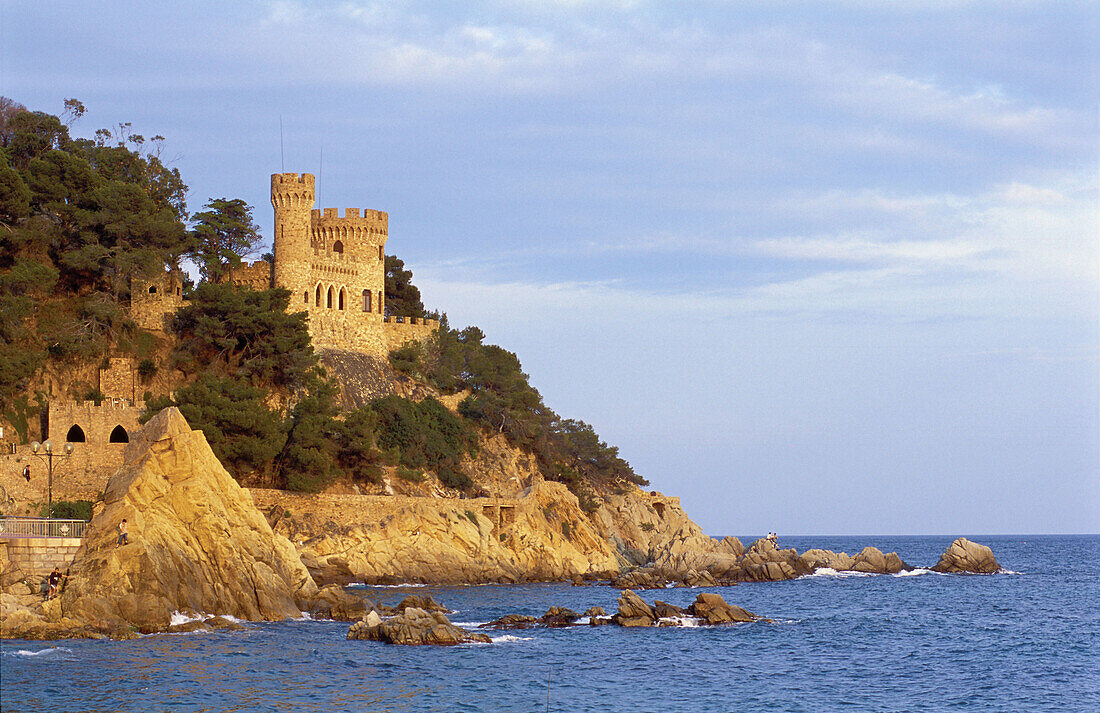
402,296
246,333
222,235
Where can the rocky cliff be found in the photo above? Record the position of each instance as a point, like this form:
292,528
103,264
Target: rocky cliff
197,544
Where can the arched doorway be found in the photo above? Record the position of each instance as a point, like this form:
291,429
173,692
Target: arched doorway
75,435
119,435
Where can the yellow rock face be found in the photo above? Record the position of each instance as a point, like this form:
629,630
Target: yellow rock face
197,541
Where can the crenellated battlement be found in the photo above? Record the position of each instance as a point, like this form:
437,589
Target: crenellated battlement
333,263
293,179
289,190
370,225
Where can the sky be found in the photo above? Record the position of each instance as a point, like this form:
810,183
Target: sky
814,267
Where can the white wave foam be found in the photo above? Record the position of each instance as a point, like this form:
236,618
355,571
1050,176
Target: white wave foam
179,618
385,586
830,572
916,572
43,652
687,622
509,638
469,624
1006,571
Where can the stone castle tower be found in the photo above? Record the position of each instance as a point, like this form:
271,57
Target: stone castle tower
334,266
335,269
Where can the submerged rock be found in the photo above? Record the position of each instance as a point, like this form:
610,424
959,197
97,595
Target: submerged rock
559,616
966,556
510,621
414,627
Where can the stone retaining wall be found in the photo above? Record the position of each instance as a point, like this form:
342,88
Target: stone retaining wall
37,556
351,510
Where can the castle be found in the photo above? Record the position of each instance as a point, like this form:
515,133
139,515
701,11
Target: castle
334,267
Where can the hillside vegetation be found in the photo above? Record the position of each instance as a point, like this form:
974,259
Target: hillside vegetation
80,218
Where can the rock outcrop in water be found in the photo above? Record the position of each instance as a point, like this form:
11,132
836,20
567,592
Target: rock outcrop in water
414,627
966,556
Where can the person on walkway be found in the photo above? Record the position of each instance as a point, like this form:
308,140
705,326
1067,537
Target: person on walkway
55,582
27,473
123,535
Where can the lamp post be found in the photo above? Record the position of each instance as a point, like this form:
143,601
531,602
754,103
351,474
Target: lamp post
48,456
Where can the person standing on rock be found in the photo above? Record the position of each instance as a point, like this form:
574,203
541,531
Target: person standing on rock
123,534
55,582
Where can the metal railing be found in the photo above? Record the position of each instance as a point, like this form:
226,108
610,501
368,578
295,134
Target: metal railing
40,527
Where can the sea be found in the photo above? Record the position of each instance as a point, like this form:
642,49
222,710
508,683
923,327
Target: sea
1027,639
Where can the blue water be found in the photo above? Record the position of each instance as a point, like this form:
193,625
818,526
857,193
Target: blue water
1006,642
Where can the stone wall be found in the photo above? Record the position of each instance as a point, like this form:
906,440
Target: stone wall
350,510
400,330
98,434
37,556
153,301
256,275
119,379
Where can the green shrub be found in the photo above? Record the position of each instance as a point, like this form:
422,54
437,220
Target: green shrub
244,434
408,359
454,478
471,517
424,435
411,475
567,530
356,452
147,368
68,510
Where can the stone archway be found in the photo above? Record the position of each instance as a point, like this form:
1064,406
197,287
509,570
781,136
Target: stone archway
119,435
75,435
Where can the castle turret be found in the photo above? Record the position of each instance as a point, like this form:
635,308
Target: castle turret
292,198
335,268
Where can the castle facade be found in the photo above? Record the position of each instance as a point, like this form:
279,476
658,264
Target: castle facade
334,266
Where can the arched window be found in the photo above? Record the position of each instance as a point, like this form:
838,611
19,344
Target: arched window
119,435
305,298
318,300
380,302
152,289
380,255
338,247
75,435
366,300
330,293
341,298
